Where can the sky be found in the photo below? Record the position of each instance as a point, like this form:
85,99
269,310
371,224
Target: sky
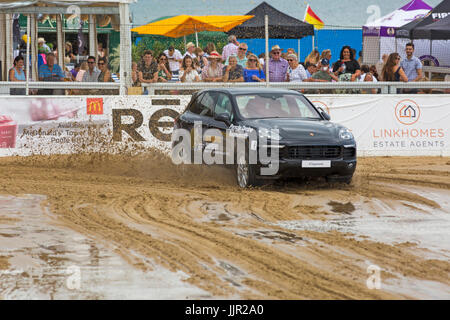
332,12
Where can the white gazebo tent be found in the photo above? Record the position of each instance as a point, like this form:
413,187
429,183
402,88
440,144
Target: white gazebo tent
379,35
90,8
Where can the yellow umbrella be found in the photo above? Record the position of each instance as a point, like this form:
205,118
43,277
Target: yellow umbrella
183,25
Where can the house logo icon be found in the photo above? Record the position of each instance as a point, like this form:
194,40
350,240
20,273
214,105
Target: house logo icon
407,112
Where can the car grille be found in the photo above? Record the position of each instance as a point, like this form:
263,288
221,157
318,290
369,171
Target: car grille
349,153
313,152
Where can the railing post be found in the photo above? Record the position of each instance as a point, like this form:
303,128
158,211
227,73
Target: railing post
392,89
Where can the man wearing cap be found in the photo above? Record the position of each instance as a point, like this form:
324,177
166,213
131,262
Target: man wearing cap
324,74
241,55
230,48
190,47
278,66
43,47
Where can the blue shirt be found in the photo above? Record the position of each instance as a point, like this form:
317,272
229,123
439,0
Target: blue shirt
249,73
410,66
55,75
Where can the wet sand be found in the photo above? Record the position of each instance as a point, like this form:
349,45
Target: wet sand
287,240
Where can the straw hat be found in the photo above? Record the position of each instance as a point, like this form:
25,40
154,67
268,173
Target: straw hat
190,44
276,47
214,55
41,40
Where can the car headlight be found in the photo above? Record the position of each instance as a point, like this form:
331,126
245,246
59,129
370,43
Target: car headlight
345,134
270,134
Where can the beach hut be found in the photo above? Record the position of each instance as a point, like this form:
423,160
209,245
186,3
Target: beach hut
90,11
379,35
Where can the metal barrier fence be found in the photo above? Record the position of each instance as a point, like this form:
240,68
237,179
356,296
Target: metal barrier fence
187,88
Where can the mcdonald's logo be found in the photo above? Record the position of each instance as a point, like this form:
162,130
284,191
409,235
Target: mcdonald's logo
94,105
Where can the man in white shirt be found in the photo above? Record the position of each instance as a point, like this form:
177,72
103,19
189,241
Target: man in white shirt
175,59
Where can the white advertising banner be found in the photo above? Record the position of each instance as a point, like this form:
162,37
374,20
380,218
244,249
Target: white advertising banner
393,125
383,125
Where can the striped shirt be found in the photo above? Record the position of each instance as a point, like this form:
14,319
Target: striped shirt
55,74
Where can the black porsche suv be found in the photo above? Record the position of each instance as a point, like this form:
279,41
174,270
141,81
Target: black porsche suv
298,138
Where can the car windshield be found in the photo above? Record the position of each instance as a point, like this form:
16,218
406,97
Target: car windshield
275,105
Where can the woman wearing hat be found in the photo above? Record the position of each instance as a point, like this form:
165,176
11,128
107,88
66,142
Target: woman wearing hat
213,71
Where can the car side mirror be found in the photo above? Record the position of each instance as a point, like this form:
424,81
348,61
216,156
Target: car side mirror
223,117
324,114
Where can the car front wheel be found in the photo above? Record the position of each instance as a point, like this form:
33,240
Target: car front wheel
245,172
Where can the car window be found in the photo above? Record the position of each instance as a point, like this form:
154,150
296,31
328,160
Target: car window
275,105
207,104
195,107
223,105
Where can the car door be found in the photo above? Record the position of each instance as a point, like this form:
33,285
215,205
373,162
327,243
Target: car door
223,106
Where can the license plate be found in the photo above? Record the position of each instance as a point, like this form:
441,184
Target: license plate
316,164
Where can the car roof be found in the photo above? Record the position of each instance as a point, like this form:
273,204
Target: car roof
251,90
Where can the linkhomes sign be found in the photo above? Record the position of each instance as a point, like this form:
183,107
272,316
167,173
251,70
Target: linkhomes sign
410,131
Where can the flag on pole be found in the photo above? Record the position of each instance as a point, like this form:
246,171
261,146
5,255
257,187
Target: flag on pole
312,18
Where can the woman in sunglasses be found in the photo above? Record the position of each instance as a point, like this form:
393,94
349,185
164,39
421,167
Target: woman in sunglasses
296,72
164,73
253,72
105,74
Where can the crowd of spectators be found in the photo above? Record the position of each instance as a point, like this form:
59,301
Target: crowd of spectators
235,64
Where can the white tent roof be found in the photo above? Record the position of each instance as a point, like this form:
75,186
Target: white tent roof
411,11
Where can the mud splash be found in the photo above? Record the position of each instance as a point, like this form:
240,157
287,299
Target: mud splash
232,243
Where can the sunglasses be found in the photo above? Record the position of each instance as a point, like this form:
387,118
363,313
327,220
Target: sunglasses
100,63
252,60
243,49
276,52
91,62
162,59
290,60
